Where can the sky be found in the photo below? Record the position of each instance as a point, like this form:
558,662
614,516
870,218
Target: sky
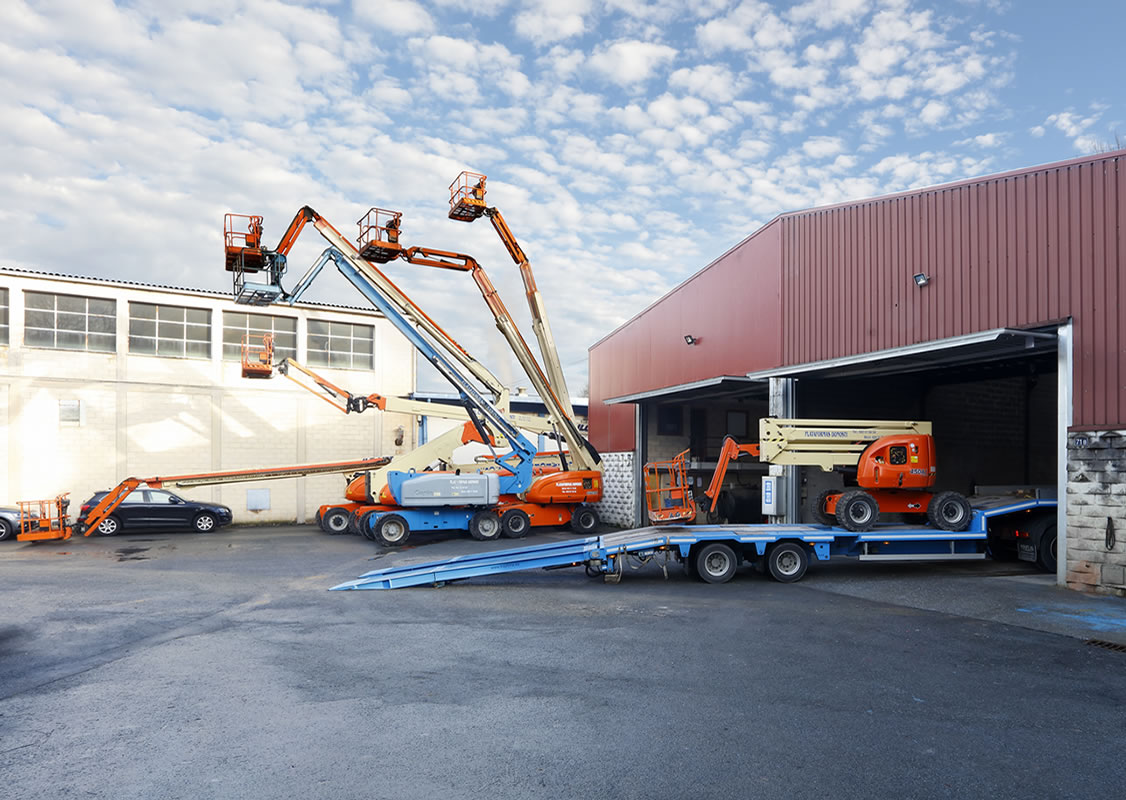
628,144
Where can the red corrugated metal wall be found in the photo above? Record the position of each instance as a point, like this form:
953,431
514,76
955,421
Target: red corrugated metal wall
1013,250
732,307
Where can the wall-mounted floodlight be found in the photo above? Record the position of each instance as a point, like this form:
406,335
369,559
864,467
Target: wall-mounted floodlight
921,279
689,339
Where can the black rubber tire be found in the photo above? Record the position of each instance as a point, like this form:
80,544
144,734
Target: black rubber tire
1045,537
335,521
205,523
363,525
584,520
817,508
857,511
485,526
787,562
515,523
949,511
390,530
6,530
716,563
110,526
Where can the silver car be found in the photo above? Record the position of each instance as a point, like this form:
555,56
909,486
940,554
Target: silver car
10,522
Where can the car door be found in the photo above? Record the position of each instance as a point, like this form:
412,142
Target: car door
169,510
132,511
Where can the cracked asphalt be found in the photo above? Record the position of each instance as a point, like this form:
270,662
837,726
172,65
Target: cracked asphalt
218,666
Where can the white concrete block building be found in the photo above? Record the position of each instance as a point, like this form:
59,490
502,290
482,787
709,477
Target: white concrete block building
101,380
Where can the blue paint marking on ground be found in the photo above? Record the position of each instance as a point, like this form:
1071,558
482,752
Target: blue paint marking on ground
1101,619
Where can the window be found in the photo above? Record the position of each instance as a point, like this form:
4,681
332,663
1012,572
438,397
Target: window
163,498
236,325
69,323
340,344
135,497
169,331
4,316
70,411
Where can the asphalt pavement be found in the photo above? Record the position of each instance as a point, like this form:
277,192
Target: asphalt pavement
218,666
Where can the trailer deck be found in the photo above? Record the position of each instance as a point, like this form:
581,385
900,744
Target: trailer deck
607,555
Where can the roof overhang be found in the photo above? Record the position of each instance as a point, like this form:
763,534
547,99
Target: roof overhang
998,344
707,389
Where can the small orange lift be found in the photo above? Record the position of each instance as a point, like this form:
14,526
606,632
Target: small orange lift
55,525
257,359
668,496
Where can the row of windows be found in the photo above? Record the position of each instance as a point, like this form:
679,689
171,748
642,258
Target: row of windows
66,322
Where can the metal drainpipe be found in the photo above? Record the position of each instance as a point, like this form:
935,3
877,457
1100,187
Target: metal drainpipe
783,403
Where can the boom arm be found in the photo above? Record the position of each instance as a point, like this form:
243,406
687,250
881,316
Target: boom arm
826,443
467,203
730,451
115,496
581,452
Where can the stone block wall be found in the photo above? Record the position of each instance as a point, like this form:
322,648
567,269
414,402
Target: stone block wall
1096,512
618,499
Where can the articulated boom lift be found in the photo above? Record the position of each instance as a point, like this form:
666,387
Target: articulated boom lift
97,517
585,458
895,472
442,500
467,203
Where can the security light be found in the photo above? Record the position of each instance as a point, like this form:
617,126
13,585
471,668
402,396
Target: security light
921,279
689,339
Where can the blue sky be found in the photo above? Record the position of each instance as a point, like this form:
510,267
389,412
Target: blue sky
628,143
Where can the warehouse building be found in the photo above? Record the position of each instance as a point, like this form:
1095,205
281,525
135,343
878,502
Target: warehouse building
101,380
993,307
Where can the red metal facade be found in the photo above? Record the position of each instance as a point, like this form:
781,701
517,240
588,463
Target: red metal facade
732,308
1015,250
1019,249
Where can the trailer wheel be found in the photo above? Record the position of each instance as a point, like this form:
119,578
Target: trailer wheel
1046,546
787,562
515,523
716,563
485,526
949,511
390,530
335,521
109,526
857,511
584,520
817,508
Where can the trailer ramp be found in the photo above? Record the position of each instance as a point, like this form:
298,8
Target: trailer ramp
599,553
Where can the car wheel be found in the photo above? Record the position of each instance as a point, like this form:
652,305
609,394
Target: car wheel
515,523
109,526
390,530
335,521
204,523
5,530
485,526
787,562
857,511
716,563
584,520
817,508
950,511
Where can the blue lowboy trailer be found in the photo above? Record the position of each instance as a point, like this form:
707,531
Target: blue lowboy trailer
714,552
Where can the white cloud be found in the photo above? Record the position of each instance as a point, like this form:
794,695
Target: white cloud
823,146
933,112
630,62
394,16
830,13
549,21
711,81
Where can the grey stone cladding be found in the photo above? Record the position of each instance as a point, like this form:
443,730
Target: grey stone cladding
1096,512
617,505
